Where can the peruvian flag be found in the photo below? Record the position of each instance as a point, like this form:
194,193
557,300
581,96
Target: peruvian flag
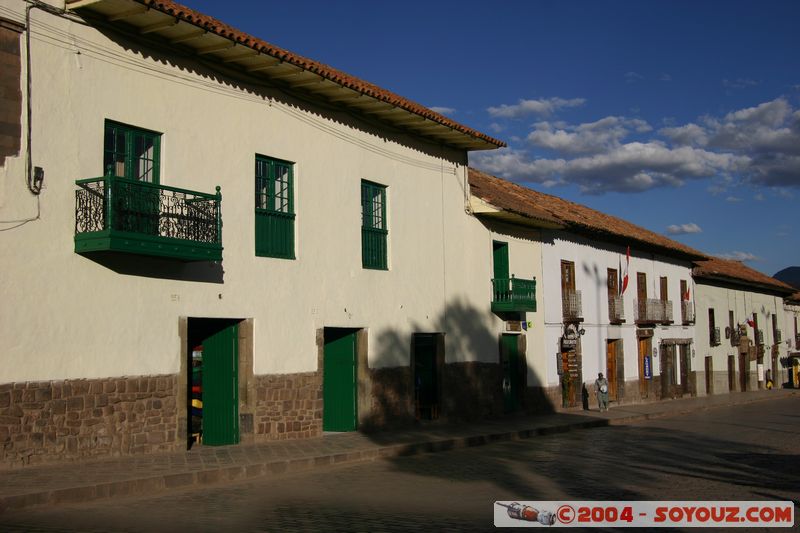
686,296
751,322
624,275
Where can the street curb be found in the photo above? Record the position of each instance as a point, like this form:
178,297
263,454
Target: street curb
216,475
210,476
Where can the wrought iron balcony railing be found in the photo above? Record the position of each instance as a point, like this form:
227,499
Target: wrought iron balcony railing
715,339
652,310
122,215
616,309
513,294
571,308
687,312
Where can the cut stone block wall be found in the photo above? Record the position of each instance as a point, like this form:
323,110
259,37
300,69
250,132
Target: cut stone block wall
72,419
288,406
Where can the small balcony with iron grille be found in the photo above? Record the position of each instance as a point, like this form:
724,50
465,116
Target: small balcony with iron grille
513,294
616,310
571,308
652,311
114,214
759,337
687,312
715,338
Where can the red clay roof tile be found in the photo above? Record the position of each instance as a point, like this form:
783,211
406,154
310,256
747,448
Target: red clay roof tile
576,217
218,27
734,271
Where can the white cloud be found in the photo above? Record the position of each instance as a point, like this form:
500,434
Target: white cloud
442,110
739,256
588,138
768,134
733,199
541,107
665,77
739,83
758,145
632,77
682,229
690,134
631,167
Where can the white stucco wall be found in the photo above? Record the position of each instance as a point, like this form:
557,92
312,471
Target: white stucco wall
592,260
745,304
791,326
67,316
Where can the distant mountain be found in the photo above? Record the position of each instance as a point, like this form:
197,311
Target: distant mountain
790,275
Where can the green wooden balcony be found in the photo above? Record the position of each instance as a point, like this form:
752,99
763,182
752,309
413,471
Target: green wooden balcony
513,294
122,215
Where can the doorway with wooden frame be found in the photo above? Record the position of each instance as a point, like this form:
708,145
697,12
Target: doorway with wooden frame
339,380
731,373
213,381
513,372
668,377
744,371
427,363
645,371
685,369
615,368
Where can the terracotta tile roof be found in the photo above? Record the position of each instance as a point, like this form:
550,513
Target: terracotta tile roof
575,217
736,272
218,27
794,298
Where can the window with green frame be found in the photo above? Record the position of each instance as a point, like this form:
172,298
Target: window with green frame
131,152
373,226
275,215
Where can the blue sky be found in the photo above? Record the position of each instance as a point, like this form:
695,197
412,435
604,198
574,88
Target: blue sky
680,116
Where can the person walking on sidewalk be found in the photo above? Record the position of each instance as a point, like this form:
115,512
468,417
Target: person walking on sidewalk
601,386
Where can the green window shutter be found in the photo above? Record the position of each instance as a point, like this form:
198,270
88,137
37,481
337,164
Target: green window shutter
373,226
274,206
500,259
131,152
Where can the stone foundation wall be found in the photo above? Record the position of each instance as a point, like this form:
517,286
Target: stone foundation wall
72,419
472,391
542,400
288,406
391,399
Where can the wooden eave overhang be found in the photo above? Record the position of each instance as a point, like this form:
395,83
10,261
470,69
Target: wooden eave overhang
182,28
744,284
483,209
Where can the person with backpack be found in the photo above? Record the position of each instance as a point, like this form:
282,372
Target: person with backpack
601,386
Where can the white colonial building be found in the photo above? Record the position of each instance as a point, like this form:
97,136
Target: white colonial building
641,338
742,326
205,234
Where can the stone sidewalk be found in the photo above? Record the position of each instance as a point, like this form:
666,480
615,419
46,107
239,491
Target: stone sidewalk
205,465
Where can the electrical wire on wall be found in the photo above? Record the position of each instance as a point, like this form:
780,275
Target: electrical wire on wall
34,176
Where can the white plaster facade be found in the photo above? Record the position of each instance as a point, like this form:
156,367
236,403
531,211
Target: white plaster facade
745,304
67,316
791,325
592,259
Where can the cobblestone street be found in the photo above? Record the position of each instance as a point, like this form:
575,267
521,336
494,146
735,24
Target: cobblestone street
748,452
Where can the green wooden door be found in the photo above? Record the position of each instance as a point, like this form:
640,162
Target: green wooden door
511,373
339,381
500,257
425,378
221,387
